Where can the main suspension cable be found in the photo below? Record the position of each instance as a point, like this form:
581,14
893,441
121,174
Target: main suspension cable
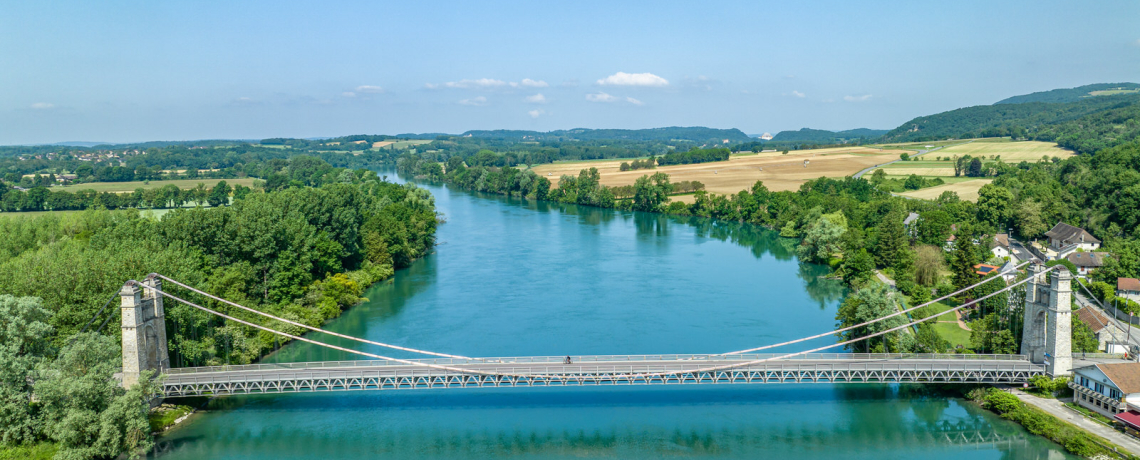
616,376
305,326
892,315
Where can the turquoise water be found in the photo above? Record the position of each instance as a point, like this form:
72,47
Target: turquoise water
512,278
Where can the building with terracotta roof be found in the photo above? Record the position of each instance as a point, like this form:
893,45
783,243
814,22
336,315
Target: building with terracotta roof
1107,388
1103,328
1129,288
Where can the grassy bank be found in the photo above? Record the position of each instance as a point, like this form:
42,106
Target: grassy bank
42,451
1075,440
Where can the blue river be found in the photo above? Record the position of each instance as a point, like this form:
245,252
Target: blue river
512,277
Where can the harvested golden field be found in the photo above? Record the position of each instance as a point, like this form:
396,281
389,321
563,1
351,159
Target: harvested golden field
779,172
380,144
966,190
1010,152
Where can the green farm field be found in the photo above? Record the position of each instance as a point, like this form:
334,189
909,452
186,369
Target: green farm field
1008,151
123,187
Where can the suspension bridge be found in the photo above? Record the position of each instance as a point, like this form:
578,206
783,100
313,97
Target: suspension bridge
1045,348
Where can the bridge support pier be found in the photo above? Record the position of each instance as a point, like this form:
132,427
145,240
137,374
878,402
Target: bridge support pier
1045,336
144,331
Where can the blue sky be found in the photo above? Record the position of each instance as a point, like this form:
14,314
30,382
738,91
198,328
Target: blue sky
134,71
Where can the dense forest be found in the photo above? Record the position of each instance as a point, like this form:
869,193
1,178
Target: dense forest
1027,120
1071,94
305,250
821,136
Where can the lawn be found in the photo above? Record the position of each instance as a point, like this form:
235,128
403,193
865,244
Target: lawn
966,190
948,330
123,187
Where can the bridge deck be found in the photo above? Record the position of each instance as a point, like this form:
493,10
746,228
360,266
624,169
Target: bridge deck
597,370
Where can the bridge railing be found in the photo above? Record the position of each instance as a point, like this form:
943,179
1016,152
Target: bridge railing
608,359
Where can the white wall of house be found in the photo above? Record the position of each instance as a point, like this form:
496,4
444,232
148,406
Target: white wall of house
1130,295
1000,251
1095,380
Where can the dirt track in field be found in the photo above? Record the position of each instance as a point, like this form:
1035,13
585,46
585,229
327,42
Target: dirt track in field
779,172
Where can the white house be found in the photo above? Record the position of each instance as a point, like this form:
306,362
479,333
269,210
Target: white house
1086,262
1129,288
1065,239
1107,388
999,246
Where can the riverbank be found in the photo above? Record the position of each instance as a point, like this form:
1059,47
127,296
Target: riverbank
1057,409
1041,418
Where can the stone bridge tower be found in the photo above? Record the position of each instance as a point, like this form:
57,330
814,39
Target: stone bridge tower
144,330
1045,336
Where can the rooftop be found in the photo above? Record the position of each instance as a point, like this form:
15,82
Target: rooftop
1126,376
1088,259
1095,319
1127,284
1069,234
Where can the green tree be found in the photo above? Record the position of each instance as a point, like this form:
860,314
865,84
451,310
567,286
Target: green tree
890,240
975,168
866,304
858,268
822,237
904,156
1083,339
84,409
913,182
995,205
928,263
650,192
988,336
1028,219
879,176
24,333
220,194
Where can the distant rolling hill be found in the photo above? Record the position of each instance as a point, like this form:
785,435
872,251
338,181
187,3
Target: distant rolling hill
694,134
1074,94
822,136
1047,115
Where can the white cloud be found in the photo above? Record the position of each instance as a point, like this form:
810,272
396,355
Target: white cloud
536,113
42,106
1137,42
481,83
245,101
536,99
534,83
474,101
431,85
348,94
863,98
369,89
634,101
798,94
633,79
600,97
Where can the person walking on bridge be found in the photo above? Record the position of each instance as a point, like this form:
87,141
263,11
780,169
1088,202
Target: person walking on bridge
568,360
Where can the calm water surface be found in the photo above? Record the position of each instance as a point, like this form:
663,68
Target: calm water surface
514,278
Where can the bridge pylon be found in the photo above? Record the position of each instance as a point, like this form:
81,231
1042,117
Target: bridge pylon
144,330
1045,336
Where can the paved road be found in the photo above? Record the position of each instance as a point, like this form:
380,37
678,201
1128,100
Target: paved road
1019,251
1057,409
920,152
